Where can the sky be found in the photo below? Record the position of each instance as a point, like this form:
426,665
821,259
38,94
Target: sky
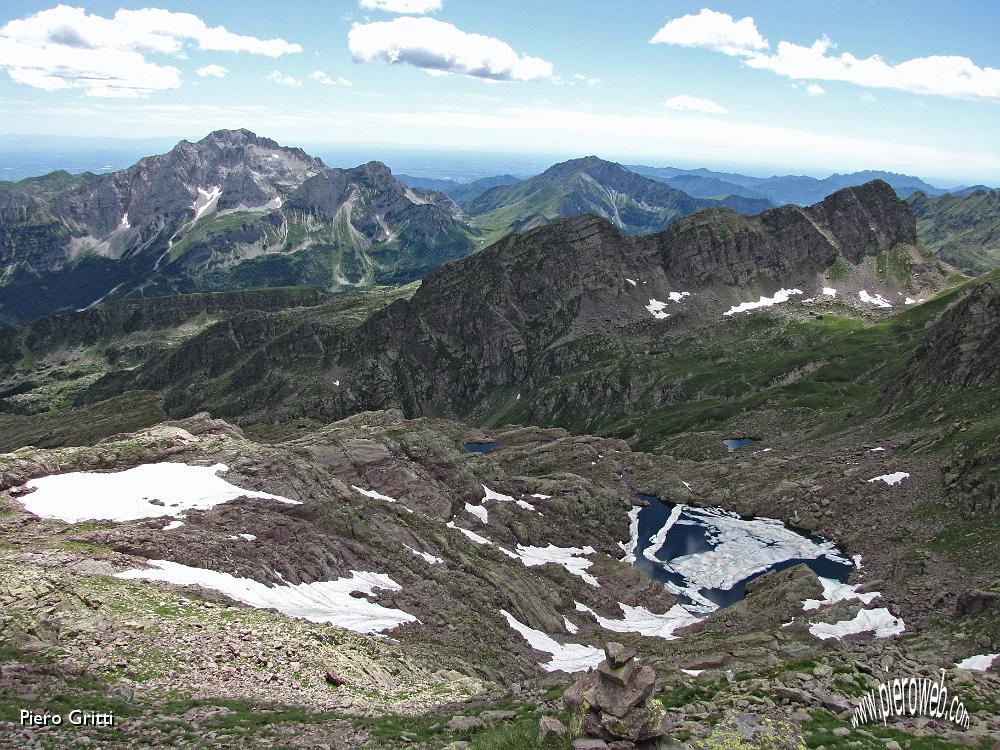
805,87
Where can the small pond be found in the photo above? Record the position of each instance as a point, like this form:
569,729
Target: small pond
734,444
485,447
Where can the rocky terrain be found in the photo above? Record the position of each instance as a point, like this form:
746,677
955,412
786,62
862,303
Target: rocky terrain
703,488
962,229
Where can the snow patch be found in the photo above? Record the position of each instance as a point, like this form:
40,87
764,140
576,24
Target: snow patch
570,627
501,498
829,291
781,295
478,511
129,495
878,300
835,591
692,672
570,558
206,200
322,601
895,478
641,620
378,496
655,308
173,525
566,657
978,663
631,281
879,621
470,534
426,556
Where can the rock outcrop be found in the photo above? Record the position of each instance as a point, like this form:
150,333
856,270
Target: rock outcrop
615,703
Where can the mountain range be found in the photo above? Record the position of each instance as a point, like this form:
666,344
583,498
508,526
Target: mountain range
237,211
694,486
232,211
963,230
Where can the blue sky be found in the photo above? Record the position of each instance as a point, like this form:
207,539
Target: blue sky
729,84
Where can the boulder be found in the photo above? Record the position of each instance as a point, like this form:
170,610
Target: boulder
550,729
462,724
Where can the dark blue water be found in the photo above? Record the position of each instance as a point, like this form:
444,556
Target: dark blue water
734,444
482,447
692,538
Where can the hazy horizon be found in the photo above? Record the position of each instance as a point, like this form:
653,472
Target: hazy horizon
24,155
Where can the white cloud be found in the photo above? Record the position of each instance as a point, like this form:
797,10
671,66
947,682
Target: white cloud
867,96
415,7
592,82
712,30
67,48
814,89
942,75
321,76
212,71
280,78
694,104
439,47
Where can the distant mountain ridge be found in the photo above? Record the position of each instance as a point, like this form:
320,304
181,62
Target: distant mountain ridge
780,189
633,203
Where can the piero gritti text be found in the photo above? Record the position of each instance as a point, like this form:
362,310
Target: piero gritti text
75,718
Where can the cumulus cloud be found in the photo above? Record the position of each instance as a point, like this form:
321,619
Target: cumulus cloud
439,48
413,7
321,76
280,78
68,48
814,89
712,30
212,71
695,104
942,75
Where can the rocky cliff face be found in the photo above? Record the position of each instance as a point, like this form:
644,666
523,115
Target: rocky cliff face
962,350
499,319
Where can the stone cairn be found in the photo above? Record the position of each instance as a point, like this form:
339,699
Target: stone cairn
613,707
